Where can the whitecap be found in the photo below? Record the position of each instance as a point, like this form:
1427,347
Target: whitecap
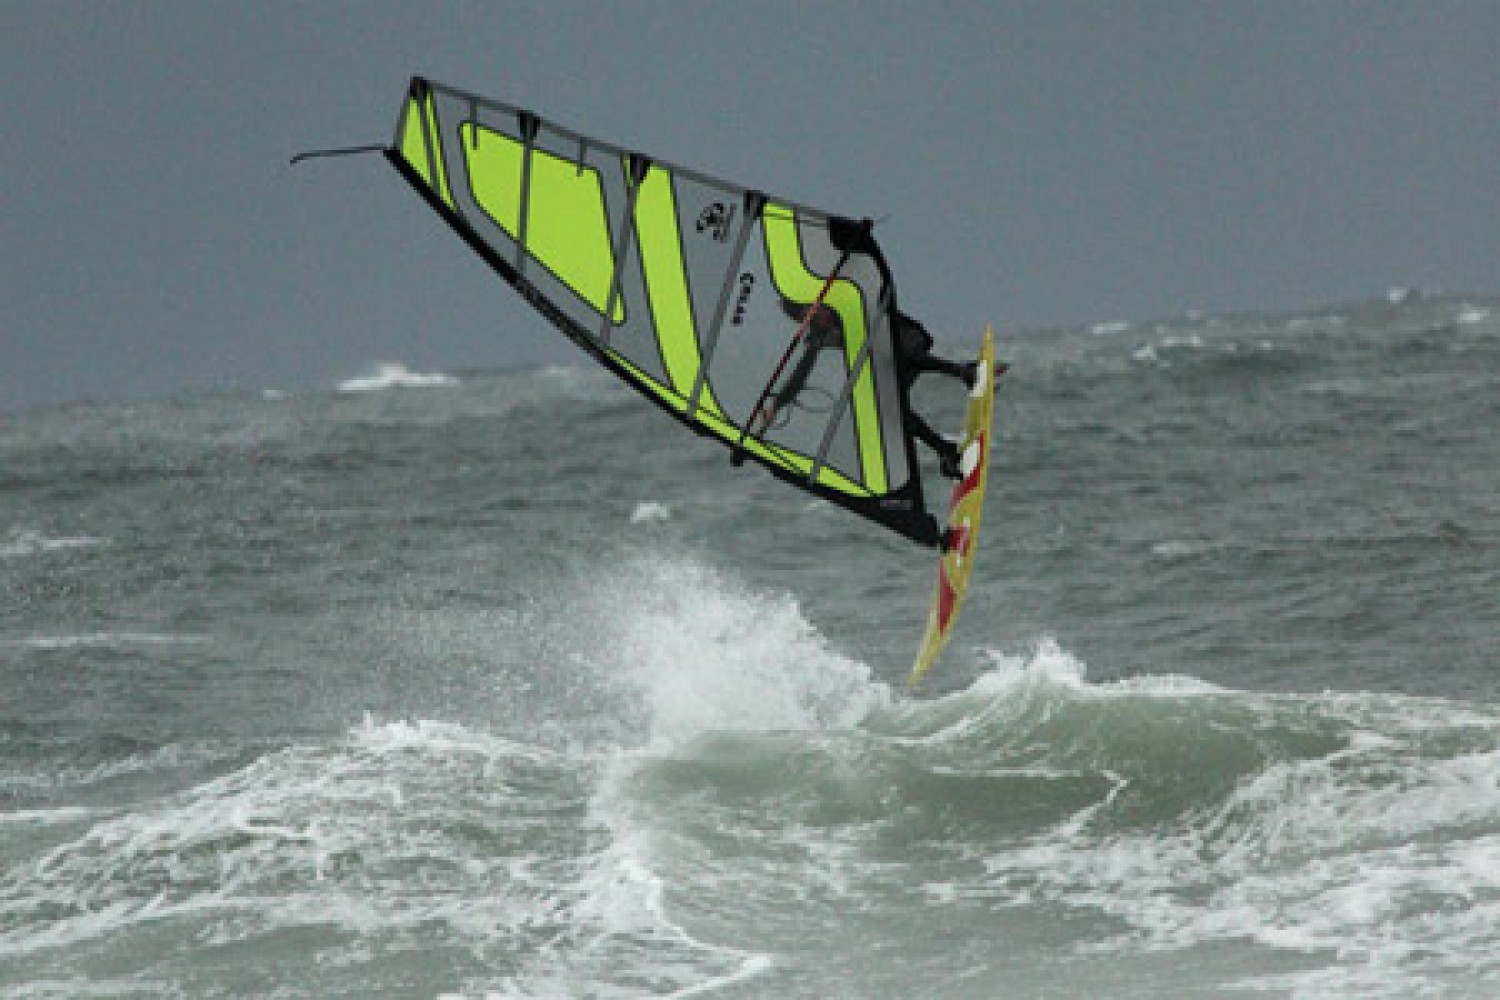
21,543
648,511
394,375
101,639
1401,295
1184,548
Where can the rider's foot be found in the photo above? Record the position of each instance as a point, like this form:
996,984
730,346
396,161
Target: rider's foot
948,461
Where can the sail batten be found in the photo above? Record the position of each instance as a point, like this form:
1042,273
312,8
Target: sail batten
528,126
690,288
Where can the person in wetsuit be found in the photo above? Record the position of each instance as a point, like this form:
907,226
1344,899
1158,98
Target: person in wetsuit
913,357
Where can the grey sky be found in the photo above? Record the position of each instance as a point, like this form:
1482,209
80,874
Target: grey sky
1040,163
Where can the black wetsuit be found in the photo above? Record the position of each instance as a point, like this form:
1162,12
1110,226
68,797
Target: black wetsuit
913,357
914,345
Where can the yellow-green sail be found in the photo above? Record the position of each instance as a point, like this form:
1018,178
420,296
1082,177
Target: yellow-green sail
690,288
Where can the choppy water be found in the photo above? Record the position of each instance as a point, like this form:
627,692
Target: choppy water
499,685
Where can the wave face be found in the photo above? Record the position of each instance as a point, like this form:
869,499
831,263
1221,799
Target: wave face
507,690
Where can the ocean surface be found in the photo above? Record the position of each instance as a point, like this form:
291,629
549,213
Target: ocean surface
499,684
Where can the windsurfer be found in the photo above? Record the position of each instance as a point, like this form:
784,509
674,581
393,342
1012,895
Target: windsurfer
914,356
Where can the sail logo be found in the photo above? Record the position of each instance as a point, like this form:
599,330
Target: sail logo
747,285
716,220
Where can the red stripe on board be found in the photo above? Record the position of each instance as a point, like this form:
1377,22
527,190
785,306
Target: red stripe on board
969,482
946,594
959,539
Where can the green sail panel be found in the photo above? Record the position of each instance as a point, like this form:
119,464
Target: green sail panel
694,290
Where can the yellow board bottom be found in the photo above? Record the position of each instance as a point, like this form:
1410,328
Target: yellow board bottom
965,507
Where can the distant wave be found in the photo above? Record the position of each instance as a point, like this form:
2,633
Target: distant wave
649,510
1151,352
21,542
394,375
101,639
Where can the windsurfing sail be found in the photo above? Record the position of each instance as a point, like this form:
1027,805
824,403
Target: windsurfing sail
758,322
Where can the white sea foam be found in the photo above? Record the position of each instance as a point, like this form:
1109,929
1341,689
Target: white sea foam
66,778
707,655
1368,854
700,657
303,836
1152,352
621,928
394,375
1357,840
497,846
1400,295
1186,548
46,817
1052,666
22,542
1353,839
103,639
648,511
